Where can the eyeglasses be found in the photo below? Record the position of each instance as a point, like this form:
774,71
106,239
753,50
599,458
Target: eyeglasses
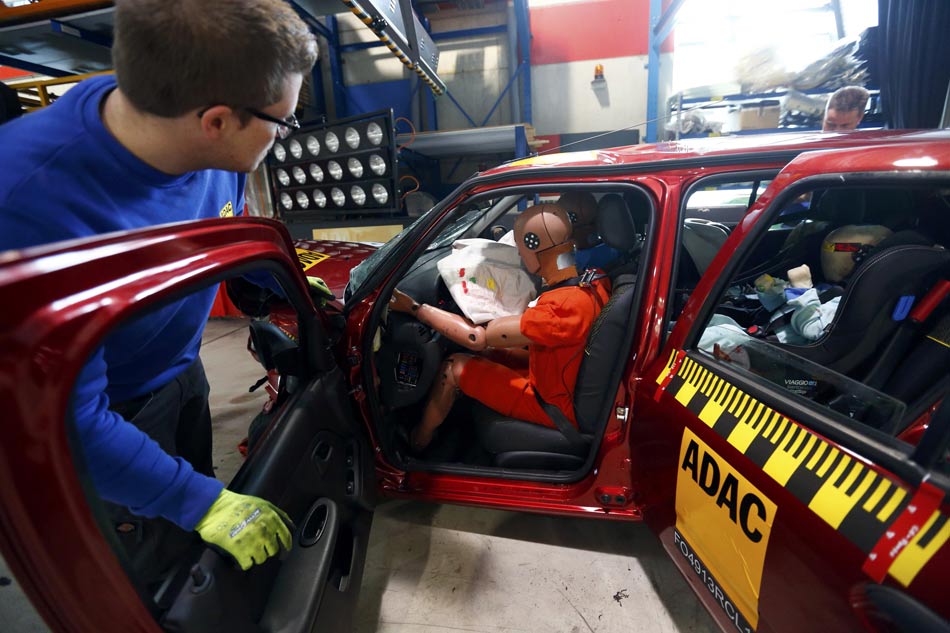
284,126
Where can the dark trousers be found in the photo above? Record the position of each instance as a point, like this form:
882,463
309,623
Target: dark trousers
176,416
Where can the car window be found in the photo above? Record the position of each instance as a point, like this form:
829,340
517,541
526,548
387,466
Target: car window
841,305
724,202
469,221
711,209
361,271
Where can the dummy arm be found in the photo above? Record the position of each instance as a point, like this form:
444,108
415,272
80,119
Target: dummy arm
503,332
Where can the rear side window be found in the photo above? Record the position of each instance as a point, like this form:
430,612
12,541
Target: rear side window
842,303
711,210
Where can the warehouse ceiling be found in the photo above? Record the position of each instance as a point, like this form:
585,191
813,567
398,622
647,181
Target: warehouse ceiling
66,37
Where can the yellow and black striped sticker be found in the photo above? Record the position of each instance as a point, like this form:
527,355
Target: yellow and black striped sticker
848,495
309,259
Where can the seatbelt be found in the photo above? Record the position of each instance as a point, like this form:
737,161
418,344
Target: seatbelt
587,278
570,433
786,318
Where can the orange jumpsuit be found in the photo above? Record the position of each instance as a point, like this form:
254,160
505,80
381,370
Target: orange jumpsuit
557,324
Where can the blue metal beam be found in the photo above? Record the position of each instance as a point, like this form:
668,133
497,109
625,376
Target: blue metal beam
522,16
479,32
14,62
319,94
665,22
360,46
661,23
336,67
653,72
521,142
311,21
432,115
503,93
445,35
461,109
79,33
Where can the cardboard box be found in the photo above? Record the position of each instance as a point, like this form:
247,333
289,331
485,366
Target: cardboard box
758,117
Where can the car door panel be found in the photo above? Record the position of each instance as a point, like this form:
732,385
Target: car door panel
311,457
780,516
303,462
857,505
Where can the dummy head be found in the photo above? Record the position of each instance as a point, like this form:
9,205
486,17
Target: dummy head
582,210
543,238
846,246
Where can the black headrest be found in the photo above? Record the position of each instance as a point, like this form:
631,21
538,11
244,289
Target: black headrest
615,223
883,287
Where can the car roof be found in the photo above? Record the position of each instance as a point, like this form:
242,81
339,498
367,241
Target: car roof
689,150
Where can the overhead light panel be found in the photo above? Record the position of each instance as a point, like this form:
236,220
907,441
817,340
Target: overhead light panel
337,170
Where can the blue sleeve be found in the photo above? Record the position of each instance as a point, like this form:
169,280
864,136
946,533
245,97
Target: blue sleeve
264,279
19,228
258,278
128,467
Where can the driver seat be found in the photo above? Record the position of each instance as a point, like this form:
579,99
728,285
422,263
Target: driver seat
518,444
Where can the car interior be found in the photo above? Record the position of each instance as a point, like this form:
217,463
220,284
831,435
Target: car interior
410,354
883,359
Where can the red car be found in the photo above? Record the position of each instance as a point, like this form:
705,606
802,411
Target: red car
799,486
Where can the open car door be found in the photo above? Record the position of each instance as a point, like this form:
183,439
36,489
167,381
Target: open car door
803,486
312,460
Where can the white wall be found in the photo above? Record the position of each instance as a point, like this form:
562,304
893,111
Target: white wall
565,100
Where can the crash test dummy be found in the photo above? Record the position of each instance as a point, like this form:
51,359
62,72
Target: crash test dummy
524,359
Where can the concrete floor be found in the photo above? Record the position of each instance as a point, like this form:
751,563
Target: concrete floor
437,568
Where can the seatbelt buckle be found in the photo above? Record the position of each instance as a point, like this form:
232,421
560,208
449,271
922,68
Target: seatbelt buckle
587,277
756,332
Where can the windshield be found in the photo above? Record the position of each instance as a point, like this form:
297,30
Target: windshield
456,229
361,271
471,214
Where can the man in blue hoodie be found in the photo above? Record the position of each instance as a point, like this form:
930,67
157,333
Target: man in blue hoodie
201,90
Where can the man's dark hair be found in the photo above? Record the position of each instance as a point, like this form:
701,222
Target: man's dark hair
174,56
848,99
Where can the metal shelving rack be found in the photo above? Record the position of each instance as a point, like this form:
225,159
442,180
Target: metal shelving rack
679,104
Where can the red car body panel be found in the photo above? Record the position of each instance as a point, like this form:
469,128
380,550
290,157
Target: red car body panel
47,532
793,552
637,465
334,260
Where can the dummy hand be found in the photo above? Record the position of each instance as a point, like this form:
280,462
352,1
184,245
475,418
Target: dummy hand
248,528
319,292
401,302
800,277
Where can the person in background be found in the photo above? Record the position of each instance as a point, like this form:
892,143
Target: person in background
169,138
845,109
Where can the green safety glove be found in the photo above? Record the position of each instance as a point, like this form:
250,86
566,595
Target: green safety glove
248,528
319,292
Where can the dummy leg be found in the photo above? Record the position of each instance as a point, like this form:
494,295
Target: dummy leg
513,357
441,398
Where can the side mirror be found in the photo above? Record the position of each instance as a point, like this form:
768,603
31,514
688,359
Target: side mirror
275,349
